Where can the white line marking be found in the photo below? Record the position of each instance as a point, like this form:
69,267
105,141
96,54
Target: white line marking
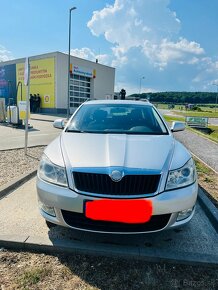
203,162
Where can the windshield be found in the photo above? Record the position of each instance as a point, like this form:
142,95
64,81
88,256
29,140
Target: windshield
117,118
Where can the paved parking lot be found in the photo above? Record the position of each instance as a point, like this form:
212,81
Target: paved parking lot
22,226
41,133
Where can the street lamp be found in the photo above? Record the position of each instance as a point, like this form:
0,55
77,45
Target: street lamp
68,87
140,84
216,94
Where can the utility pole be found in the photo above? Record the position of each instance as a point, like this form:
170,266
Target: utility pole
68,86
140,84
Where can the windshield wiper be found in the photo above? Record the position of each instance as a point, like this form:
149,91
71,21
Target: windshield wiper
74,131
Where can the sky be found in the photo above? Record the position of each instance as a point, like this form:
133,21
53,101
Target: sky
166,45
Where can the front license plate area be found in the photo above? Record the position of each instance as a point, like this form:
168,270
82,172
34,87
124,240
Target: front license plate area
131,211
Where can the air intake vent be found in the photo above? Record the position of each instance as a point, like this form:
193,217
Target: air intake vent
104,185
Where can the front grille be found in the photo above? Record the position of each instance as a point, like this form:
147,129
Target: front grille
103,184
78,220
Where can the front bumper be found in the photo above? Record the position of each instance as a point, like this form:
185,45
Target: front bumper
66,201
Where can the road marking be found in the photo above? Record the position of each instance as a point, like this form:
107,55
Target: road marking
203,162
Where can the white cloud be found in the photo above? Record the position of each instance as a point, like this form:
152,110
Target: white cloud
208,72
181,51
84,52
214,82
145,24
145,38
87,53
5,54
128,23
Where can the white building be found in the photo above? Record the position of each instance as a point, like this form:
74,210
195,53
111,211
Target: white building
49,79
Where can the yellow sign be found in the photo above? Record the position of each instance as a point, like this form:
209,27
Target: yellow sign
42,80
22,110
47,99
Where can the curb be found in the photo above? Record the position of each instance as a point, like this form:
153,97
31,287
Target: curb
16,182
209,208
29,146
114,251
47,120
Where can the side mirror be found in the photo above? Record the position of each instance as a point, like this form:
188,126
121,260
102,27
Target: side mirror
59,124
177,126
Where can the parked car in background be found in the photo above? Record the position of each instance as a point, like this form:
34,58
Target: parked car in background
116,168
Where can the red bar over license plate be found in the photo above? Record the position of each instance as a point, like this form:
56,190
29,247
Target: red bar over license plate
132,211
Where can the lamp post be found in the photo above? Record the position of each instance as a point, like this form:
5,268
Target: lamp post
68,87
140,84
216,94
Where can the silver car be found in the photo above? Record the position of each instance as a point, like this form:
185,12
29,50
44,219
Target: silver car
116,168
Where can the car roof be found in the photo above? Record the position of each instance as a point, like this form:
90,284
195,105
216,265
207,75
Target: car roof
110,102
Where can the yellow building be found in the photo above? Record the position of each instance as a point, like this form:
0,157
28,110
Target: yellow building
49,80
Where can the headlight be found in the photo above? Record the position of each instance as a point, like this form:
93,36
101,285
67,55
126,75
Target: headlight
182,177
51,172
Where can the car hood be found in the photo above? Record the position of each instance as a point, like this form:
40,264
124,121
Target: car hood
150,152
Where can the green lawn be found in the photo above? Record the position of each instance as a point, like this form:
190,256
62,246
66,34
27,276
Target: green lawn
211,114
172,118
213,136
206,111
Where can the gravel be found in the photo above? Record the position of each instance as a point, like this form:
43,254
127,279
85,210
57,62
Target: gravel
20,270
14,163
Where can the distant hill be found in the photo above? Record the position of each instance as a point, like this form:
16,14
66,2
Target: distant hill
179,97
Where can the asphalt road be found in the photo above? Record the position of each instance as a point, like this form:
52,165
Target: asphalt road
21,222
41,133
201,147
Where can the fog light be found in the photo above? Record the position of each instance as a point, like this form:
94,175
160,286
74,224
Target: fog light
184,214
47,209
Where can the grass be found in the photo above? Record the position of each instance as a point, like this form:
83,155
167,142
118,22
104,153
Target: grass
208,180
209,114
169,118
213,136
32,277
205,111
201,168
83,272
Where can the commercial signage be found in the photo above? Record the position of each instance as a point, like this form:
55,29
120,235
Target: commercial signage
197,121
79,70
46,99
42,80
8,83
22,110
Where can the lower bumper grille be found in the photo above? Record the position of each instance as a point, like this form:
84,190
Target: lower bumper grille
78,220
